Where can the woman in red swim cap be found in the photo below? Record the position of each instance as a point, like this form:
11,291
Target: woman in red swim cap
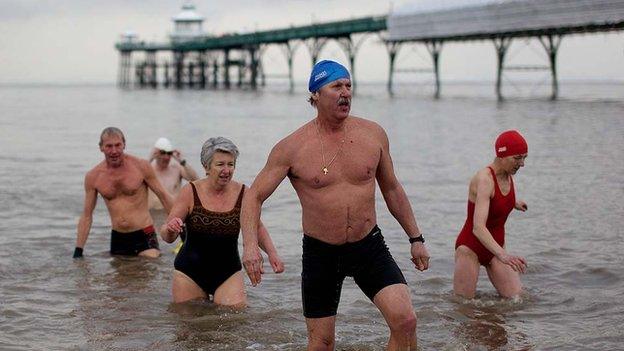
491,197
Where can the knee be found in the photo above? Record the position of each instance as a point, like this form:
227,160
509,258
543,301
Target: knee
404,324
511,292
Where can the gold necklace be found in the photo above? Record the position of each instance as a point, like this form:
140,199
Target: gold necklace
342,142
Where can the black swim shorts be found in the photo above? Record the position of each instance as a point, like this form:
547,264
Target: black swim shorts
325,266
131,244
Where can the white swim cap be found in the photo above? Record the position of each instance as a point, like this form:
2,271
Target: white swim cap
163,144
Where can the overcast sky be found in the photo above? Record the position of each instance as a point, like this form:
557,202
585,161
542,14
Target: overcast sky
73,40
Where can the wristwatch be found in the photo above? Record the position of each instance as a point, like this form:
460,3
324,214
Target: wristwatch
183,163
419,238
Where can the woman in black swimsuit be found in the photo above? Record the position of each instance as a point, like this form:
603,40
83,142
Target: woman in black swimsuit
209,263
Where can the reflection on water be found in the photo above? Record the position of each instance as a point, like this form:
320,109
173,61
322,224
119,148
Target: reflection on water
483,325
571,235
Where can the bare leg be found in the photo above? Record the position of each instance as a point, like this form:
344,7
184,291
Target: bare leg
232,292
321,333
466,272
504,278
151,253
395,304
185,289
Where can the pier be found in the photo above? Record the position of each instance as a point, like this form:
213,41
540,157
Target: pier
198,60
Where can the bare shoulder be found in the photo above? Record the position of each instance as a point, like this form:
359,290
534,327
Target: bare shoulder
368,127
140,163
92,175
236,185
367,124
288,146
483,178
186,189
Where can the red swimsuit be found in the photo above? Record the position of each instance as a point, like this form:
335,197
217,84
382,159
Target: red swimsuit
500,207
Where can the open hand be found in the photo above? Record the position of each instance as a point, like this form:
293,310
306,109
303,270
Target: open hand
252,261
516,262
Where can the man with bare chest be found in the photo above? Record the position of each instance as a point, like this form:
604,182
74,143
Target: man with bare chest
170,168
122,180
334,163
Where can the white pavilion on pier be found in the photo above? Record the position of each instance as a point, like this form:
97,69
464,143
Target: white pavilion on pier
187,25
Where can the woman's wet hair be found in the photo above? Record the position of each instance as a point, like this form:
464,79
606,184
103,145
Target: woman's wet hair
109,131
217,144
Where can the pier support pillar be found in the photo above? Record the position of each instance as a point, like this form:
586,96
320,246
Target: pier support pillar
191,74
140,74
226,68
260,66
315,45
215,73
434,48
551,45
167,79
241,63
152,79
254,54
393,48
289,51
202,70
501,44
125,68
261,74
350,48
178,57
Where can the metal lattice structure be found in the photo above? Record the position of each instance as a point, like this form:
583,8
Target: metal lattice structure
516,18
315,37
202,59
501,22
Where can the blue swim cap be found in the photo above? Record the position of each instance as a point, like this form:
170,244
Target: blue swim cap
325,72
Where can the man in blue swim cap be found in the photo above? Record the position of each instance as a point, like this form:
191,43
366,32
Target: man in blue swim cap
333,162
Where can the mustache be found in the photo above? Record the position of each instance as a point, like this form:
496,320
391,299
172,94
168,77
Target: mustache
344,101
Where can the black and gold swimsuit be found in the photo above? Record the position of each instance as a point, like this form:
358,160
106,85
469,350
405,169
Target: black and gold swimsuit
210,253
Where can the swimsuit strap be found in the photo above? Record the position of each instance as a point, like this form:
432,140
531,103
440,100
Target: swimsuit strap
512,185
239,201
496,187
196,200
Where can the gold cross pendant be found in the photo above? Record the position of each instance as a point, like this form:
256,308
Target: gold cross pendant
325,170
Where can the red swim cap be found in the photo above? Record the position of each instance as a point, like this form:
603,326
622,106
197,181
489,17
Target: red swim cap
510,143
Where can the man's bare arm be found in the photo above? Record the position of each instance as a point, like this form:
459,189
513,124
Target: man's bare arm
152,182
275,170
393,191
187,172
398,203
266,244
86,218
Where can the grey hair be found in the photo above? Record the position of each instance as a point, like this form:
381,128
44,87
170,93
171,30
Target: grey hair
216,144
109,131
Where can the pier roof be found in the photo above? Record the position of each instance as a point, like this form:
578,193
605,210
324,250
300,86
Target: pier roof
188,14
483,19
